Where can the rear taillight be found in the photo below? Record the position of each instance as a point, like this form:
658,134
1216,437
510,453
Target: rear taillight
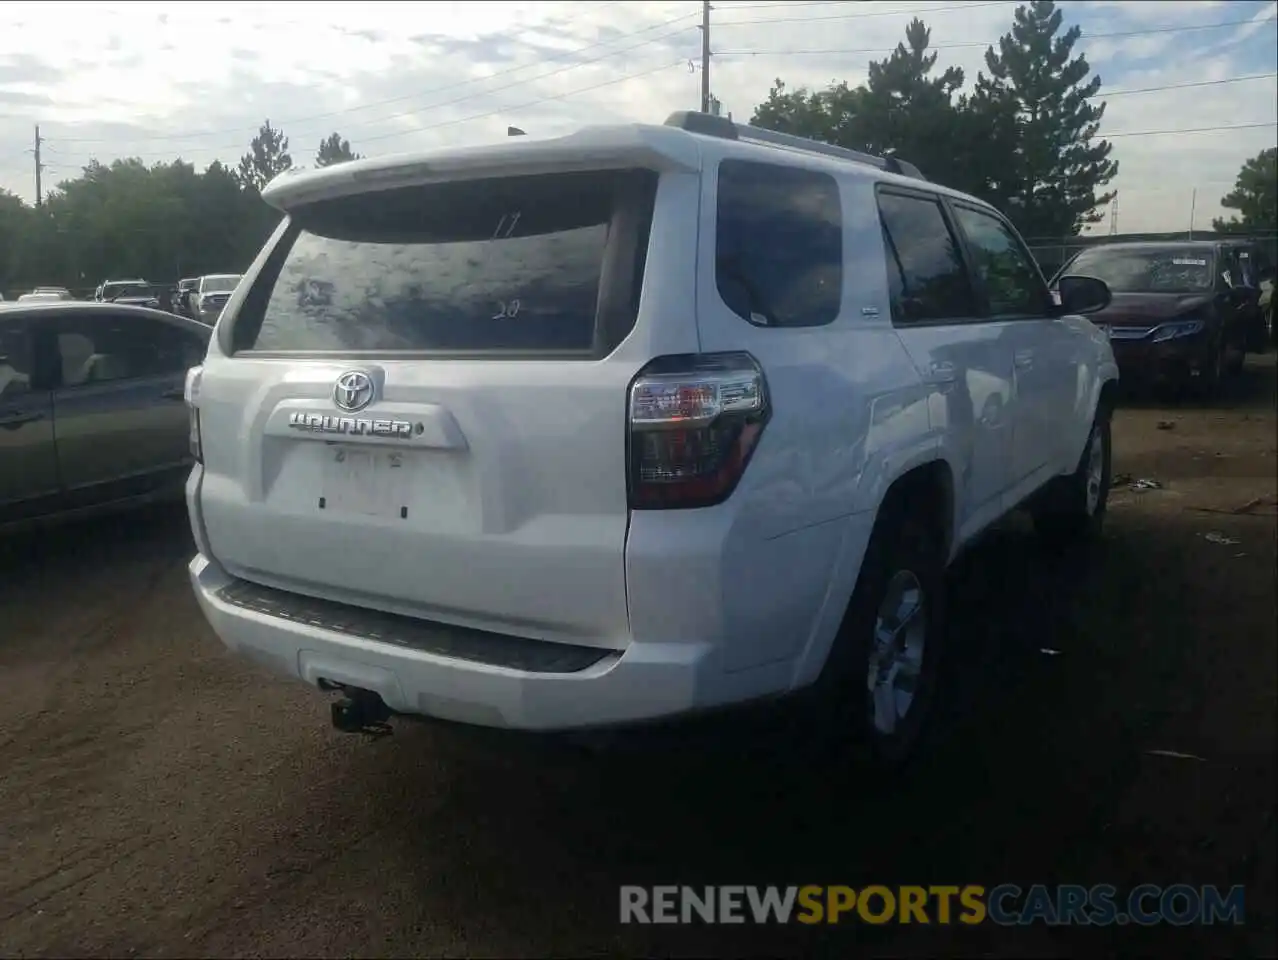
191,394
693,423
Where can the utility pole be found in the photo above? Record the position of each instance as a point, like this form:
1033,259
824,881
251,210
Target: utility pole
39,168
1193,202
705,55
1113,216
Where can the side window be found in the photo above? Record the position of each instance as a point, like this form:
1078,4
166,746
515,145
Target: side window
103,349
1234,266
926,278
15,362
779,244
1011,279
1247,267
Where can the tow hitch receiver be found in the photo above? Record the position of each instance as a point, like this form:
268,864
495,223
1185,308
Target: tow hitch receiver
362,711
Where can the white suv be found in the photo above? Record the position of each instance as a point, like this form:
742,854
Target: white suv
628,424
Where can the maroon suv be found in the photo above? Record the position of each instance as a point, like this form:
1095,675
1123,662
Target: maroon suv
1180,314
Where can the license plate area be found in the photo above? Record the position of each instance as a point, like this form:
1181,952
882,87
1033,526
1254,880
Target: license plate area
366,481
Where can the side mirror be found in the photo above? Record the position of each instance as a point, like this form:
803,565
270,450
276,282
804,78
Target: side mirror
1083,295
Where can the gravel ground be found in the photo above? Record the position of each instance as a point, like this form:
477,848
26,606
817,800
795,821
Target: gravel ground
162,799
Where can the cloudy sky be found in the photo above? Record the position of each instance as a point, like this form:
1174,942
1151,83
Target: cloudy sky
159,81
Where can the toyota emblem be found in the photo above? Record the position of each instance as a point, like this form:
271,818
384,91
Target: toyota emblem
353,391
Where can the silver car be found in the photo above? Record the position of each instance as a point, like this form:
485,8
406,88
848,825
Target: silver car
211,294
91,409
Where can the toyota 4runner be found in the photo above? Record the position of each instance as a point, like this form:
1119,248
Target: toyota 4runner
628,424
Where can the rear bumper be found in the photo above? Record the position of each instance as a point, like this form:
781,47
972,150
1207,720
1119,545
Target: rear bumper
647,681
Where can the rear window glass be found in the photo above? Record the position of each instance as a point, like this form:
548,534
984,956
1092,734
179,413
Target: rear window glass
779,244
494,265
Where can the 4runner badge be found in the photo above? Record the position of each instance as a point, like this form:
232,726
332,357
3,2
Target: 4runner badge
350,426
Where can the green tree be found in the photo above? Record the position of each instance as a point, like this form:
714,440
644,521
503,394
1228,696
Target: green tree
1255,196
902,108
15,227
1040,128
161,222
267,158
905,109
333,149
802,112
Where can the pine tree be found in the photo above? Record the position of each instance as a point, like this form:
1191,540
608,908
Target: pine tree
267,158
1255,196
333,149
901,108
1040,129
904,108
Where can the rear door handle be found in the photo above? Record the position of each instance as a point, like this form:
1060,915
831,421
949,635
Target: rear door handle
174,394
1024,359
942,371
15,420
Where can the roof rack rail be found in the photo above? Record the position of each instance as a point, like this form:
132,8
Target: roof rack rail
709,125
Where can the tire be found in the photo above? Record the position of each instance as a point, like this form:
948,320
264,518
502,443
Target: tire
873,697
1236,362
1075,509
1211,380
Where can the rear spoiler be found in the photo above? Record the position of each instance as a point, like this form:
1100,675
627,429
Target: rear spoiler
596,148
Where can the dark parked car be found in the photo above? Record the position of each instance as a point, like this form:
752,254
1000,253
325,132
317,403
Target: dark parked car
91,408
1181,314
1252,274
153,295
108,290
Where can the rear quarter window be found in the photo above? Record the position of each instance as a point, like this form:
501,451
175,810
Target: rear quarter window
778,244
527,264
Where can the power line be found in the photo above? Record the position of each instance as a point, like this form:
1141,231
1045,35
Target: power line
1184,86
605,56
860,16
985,43
572,66
297,121
802,3
477,116
1159,133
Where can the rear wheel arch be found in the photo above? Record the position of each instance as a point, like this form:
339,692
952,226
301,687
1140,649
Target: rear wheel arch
915,518
927,489
1107,400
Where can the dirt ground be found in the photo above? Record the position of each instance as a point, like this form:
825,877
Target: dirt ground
158,798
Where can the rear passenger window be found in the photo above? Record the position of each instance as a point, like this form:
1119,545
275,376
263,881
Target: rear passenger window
1012,281
103,348
926,278
778,244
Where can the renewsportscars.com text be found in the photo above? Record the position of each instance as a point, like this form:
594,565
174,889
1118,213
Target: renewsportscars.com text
1006,904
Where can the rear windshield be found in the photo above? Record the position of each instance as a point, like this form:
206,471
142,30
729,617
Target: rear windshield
128,290
510,265
121,287
1169,270
220,284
